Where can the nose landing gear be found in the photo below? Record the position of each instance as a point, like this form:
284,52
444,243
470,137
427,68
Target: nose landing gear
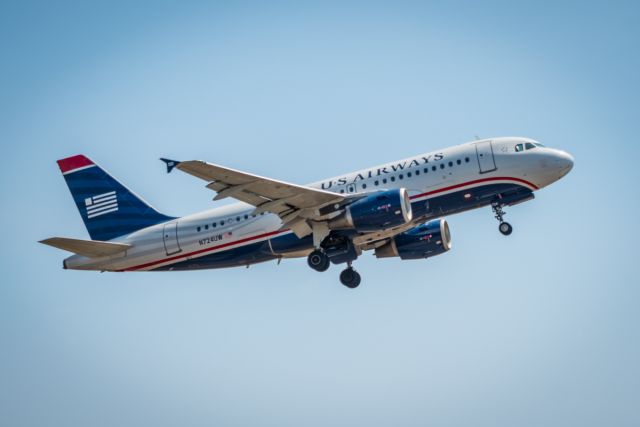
505,228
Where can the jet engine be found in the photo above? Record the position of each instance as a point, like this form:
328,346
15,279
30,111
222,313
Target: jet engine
376,211
424,241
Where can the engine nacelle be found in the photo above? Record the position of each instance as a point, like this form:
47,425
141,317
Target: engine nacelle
424,241
374,212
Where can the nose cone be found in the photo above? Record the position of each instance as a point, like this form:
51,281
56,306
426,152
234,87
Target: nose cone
564,162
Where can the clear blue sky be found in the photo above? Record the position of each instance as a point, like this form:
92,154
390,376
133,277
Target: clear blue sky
537,329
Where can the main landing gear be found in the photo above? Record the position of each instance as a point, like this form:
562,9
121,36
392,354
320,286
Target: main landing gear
504,227
350,278
319,261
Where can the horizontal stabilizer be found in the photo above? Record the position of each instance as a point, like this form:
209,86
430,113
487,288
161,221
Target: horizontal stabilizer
88,248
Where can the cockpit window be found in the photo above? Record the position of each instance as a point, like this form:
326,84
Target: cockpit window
529,146
537,144
519,148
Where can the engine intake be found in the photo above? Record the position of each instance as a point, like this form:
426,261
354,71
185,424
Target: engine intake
374,212
424,241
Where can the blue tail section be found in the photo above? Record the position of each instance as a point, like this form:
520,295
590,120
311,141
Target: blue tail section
107,207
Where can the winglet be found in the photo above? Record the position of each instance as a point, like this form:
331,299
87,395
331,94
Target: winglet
170,164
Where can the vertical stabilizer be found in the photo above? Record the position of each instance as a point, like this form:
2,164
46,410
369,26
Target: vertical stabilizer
108,208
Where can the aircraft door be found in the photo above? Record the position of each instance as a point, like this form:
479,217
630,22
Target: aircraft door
486,161
170,238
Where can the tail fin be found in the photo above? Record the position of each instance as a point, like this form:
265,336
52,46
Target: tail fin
107,207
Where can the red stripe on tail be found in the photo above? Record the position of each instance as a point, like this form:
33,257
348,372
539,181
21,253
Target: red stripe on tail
72,163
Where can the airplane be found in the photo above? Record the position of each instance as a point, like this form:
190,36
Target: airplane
395,210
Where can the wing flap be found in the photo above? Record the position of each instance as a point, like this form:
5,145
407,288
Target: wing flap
88,248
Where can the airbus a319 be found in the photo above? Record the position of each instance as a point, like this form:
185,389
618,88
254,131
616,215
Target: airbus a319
395,210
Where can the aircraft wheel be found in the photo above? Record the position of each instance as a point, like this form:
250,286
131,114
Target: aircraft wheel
350,278
505,228
318,260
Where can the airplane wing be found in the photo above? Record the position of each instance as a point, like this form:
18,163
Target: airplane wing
293,203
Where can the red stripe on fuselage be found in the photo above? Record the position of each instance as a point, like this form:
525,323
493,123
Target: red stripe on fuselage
477,181
72,163
273,233
213,248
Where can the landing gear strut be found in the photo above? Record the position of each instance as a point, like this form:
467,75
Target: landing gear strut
349,277
504,227
318,260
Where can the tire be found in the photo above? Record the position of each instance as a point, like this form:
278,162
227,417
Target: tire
325,266
350,278
318,260
505,228
356,281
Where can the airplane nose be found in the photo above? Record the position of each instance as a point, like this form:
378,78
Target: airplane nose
564,161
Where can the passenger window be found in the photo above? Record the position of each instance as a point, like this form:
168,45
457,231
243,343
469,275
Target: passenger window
434,168
401,176
221,223
417,172
341,191
426,170
459,161
214,225
393,178
441,165
198,229
376,183
450,164
466,160
529,146
206,226
364,186
519,148
384,180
